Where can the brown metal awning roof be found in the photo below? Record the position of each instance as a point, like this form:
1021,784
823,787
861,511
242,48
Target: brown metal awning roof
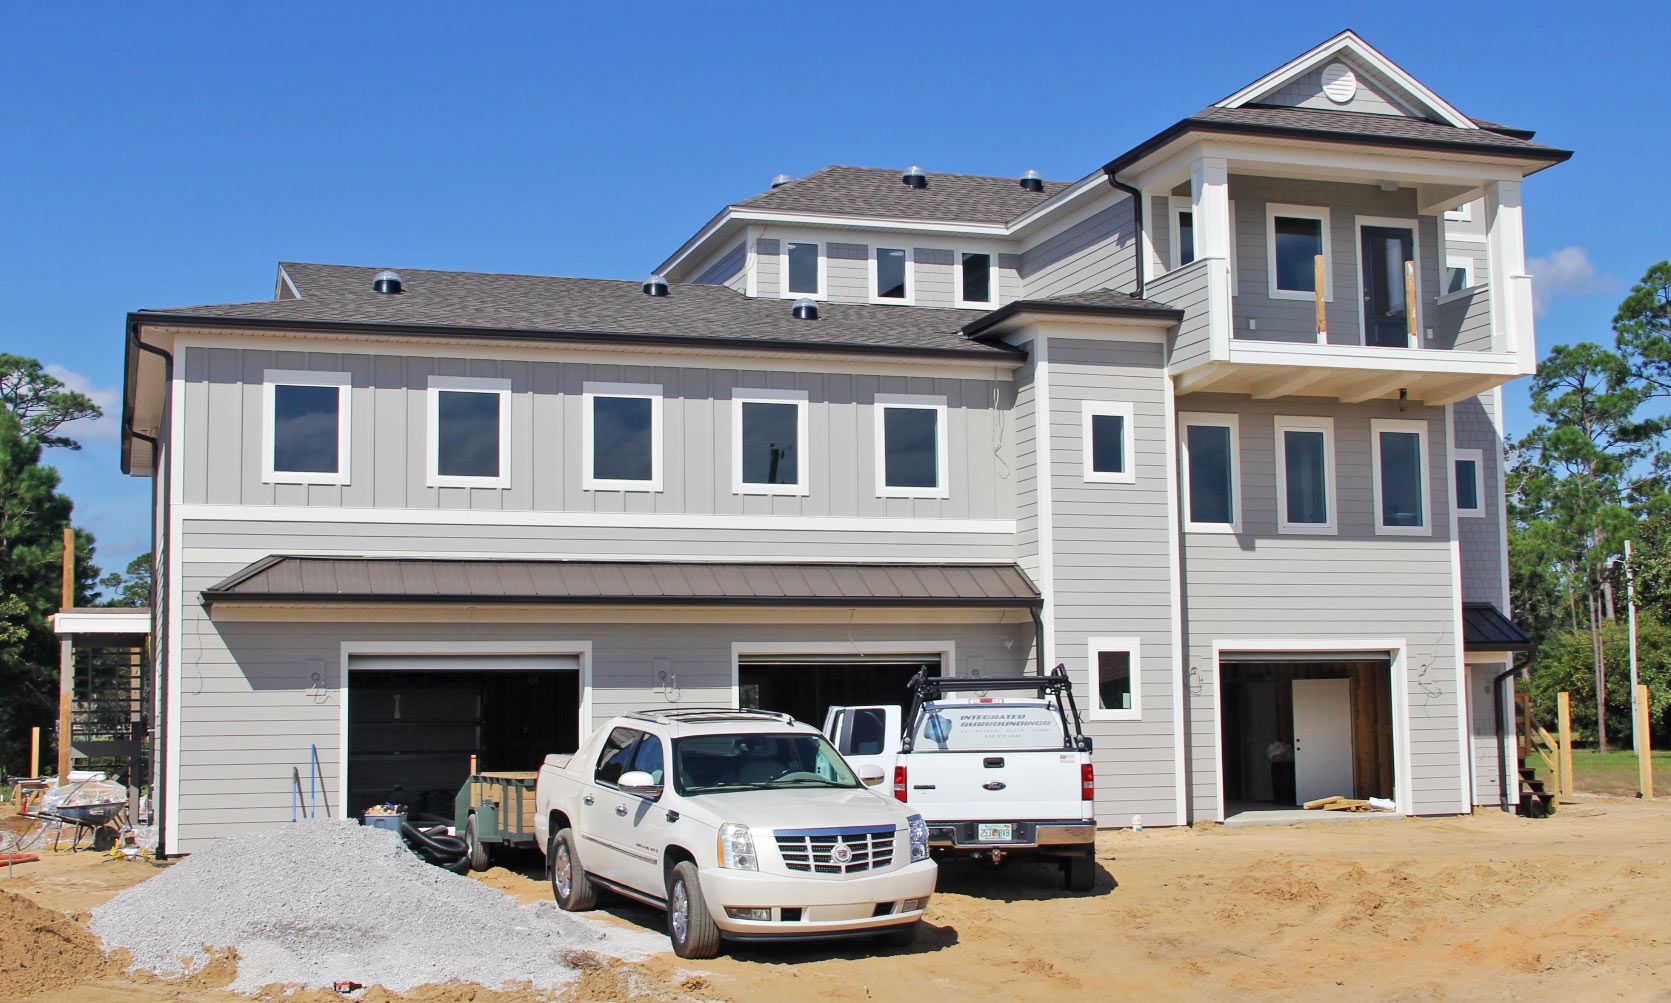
362,580
1485,628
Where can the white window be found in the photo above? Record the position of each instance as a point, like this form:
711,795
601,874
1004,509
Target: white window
1115,664
1470,482
802,269
1294,236
911,446
469,432
1463,213
1106,438
1182,235
1459,274
890,275
975,278
621,433
304,427
1399,466
1305,491
1211,458
769,442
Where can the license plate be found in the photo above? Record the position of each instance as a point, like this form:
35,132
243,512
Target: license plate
988,832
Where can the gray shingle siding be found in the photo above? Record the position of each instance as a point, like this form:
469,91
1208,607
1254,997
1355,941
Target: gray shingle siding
1371,98
1482,544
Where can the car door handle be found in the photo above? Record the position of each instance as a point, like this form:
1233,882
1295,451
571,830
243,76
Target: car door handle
588,799
621,810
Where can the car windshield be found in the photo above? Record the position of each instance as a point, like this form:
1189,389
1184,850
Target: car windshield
709,764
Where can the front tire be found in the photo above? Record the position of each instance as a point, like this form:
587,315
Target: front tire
475,852
570,885
1079,873
689,924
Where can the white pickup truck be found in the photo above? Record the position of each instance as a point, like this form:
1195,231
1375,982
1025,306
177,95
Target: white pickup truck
742,824
998,767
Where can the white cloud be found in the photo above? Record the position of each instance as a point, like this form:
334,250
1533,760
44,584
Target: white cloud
1567,271
88,430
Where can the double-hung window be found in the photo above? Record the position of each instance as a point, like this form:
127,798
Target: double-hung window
1305,491
1106,435
1399,466
469,432
621,436
802,269
1470,496
975,277
1211,457
911,446
305,427
890,279
1295,235
769,441
1115,664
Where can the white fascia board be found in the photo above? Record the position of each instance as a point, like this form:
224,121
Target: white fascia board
1418,360
137,621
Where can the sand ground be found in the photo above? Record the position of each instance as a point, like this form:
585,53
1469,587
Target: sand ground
1487,907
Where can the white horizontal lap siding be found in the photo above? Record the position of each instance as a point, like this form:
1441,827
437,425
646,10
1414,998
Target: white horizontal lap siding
1260,584
1096,253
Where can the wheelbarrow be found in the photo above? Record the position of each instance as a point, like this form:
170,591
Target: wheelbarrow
85,818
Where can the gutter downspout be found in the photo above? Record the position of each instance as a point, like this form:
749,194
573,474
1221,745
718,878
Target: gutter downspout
1137,215
1502,741
1038,637
159,593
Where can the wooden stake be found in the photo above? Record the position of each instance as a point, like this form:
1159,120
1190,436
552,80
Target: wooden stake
34,752
69,569
1318,267
1644,757
1564,730
66,662
1410,297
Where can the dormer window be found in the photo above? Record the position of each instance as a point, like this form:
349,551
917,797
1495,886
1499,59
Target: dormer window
803,268
891,279
976,279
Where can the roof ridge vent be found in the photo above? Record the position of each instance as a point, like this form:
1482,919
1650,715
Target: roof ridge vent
781,180
805,308
1031,181
914,177
655,285
386,281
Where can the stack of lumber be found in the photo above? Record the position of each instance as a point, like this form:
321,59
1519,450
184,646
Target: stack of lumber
1338,803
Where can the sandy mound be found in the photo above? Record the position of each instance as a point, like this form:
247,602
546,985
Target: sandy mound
44,949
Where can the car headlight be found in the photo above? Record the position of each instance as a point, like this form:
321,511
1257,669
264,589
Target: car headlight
736,847
919,839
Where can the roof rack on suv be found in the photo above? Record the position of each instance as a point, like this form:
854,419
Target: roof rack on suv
678,714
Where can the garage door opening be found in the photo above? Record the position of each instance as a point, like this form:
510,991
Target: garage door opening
1297,731
414,723
808,686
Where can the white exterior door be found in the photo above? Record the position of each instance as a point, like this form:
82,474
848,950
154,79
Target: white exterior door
1322,738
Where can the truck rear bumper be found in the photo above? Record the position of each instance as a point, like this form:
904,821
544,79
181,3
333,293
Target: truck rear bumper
808,908
1025,835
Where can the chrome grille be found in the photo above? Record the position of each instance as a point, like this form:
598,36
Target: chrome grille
835,851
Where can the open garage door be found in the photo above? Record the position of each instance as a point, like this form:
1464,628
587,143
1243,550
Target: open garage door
807,686
414,721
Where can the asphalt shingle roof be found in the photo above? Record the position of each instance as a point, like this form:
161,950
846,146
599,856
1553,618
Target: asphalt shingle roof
879,192
1367,126
594,310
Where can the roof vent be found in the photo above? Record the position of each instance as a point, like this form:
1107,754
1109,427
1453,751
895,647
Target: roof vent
781,180
914,177
806,308
655,285
386,281
1032,182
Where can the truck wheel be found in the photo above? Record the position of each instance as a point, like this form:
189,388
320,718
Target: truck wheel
1080,872
689,925
476,852
899,936
570,886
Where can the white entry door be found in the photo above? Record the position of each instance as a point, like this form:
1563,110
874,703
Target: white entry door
1322,739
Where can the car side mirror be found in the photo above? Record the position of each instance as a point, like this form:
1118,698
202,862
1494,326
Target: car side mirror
870,775
640,783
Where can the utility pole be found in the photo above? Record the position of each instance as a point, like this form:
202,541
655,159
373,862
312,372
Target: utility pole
1630,593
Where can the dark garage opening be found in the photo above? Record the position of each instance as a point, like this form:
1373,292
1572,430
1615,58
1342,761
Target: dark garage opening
807,687
413,724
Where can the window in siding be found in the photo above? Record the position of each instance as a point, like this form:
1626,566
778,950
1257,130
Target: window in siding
305,426
803,269
1296,235
1470,463
1114,664
469,432
1305,475
1106,438
976,278
891,278
1182,237
769,441
1400,473
1459,274
1210,463
622,436
910,446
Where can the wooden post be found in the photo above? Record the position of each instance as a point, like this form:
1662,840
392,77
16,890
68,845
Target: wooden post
1564,733
1410,299
66,663
1645,754
34,752
1318,266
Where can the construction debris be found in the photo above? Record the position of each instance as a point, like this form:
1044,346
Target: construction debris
1338,803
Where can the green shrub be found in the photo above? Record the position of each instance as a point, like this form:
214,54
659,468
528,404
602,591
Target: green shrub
1565,662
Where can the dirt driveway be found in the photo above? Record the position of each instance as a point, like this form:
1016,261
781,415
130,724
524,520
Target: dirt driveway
1488,907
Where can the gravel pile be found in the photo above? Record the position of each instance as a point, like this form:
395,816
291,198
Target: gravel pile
320,901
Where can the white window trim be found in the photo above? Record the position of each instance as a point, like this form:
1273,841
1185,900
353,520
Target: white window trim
1414,226
272,378
921,402
823,269
1233,423
473,384
1319,213
741,396
1118,409
991,281
1174,244
652,392
1376,427
1477,457
1466,266
1463,213
1133,646
910,276
1305,423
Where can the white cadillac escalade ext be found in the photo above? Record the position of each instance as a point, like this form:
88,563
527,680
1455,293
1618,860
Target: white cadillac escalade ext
742,824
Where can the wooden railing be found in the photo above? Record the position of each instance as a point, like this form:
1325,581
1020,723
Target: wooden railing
1534,739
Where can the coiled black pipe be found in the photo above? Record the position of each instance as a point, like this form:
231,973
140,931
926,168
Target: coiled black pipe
437,847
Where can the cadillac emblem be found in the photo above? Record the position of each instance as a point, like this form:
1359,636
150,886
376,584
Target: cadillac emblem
842,854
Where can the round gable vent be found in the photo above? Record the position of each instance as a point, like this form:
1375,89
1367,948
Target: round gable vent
1339,83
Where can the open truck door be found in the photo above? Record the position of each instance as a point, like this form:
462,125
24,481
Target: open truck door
866,736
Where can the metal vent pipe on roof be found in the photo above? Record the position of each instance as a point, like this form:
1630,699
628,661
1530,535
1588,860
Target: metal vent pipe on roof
781,180
914,177
386,281
806,308
1031,181
655,285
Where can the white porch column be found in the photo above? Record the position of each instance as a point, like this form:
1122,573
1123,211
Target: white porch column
1511,287
1209,189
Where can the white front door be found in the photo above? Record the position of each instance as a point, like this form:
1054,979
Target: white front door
1322,739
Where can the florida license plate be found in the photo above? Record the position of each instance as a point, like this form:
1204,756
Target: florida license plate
989,832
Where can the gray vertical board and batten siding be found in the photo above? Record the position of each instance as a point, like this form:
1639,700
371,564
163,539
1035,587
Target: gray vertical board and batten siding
1355,585
1098,252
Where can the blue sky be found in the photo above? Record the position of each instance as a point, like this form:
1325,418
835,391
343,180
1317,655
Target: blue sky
161,155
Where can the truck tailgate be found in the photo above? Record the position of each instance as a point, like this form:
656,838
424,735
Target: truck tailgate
1011,784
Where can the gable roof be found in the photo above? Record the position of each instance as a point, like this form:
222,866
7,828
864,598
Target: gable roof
545,308
879,192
